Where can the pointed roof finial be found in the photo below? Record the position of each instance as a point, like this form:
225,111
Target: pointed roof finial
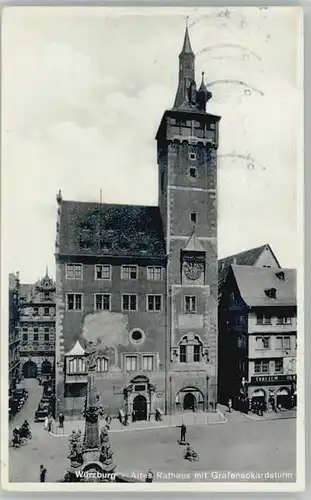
46,271
202,86
186,49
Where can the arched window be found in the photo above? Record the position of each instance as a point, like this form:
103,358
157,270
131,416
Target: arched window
190,349
102,365
76,365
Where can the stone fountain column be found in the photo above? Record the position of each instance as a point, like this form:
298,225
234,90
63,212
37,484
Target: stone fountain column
94,463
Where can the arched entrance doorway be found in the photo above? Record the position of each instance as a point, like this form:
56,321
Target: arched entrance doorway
283,398
46,368
139,408
190,402
259,396
30,369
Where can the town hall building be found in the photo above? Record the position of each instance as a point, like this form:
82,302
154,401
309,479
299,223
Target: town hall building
142,281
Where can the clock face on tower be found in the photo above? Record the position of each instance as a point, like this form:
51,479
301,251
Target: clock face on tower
193,269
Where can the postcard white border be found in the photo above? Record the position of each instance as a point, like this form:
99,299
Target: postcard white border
299,484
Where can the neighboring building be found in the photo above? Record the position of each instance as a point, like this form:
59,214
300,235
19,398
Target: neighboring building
14,360
257,335
37,328
142,281
262,256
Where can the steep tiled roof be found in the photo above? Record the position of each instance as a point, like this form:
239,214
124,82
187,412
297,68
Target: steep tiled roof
112,230
246,258
253,281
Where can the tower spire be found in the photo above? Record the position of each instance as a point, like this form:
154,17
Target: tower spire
186,72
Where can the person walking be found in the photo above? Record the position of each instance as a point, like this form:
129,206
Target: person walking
61,419
46,423
183,432
50,421
42,474
229,405
149,476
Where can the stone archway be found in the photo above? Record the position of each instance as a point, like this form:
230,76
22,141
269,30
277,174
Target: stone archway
283,398
30,369
190,401
140,408
46,367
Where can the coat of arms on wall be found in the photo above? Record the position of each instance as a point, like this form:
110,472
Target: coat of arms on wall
193,269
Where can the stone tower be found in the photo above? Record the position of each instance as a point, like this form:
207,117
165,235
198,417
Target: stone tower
187,141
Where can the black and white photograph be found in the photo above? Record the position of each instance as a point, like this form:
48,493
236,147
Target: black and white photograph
152,249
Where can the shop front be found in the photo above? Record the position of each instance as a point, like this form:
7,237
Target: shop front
273,391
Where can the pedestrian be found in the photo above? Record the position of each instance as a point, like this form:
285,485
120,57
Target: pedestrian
126,420
61,419
149,476
42,474
50,421
46,423
229,405
183,432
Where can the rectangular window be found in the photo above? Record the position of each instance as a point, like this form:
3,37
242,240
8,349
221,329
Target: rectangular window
193,172
154,302
154,273
74,301
148,363
284,320
190,304
102,302
129,302
131,363
103,272
183,354
36,330
46,337
46,311
35,311
46,295
35,337
263,320
25,337
192,156
263,342
46,329
278,366
194,217
283,343
74,271
196,353
262,366
129,272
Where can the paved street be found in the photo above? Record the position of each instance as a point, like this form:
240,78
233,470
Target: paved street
240,445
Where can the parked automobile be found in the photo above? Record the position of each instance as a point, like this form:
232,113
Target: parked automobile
41,413
21,393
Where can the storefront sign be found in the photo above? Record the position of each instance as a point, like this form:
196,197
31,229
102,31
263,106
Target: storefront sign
273,378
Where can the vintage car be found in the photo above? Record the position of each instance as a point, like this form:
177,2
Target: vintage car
41,413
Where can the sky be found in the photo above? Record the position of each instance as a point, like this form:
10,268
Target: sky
84,90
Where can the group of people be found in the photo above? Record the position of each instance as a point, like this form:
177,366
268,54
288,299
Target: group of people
48,422
21,432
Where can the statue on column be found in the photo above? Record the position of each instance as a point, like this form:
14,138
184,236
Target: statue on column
75,449
90,354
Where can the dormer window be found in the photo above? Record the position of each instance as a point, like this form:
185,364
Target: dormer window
271,293
280,275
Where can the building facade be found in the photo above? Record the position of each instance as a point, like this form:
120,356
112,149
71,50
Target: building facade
258,336
37,329
141,282
14,359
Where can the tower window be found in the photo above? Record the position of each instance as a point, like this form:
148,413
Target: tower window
194,217
192,156
192,172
